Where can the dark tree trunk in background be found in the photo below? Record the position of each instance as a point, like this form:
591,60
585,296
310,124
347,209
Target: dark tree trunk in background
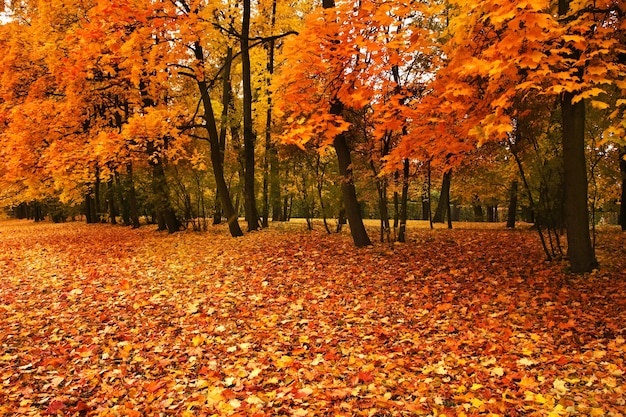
90,208
166,217
478,209
404,201
111,201
132,196
510,221
444,199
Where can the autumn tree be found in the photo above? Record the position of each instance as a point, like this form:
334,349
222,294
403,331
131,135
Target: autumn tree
568,52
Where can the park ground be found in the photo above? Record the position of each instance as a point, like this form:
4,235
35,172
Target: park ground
100,320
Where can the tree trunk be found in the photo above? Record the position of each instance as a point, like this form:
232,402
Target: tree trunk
444,199
491,213
166,217
111,201
249,139
510,221
579,249
622,169
580,252
216,152
124,207
90,208
269,147
132,196
226,101
478,209
350,201
404,202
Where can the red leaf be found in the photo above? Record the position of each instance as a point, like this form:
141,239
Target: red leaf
55,406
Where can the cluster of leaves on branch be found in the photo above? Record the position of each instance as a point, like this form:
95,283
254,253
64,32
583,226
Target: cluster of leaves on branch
448,77
105,321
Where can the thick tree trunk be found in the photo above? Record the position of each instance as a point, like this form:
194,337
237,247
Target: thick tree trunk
478,209
444,199
579,249
510,221
216,152
90,208
249,138
350,202
348,190
166,217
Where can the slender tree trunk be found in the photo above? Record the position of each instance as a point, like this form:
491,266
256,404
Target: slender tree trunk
444,199
216,152
132,196
90,208
111,201
97,196
269,147
249,139
622,169
404,201
510,222
124,207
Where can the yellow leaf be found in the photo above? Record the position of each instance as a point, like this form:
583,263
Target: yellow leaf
560,386
476,402
600,105
596,412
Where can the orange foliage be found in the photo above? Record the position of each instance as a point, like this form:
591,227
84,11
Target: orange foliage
102,321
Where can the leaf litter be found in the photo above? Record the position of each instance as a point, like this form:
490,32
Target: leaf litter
107,321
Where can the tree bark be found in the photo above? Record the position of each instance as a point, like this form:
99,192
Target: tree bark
111,201
166,217
404,201
217,157
249,139
132,196
510,221
622,169
348,190
444,199
269,147
579,249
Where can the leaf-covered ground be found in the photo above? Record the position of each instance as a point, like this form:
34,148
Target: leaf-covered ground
108,321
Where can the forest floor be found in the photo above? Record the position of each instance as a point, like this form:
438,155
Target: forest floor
99,320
